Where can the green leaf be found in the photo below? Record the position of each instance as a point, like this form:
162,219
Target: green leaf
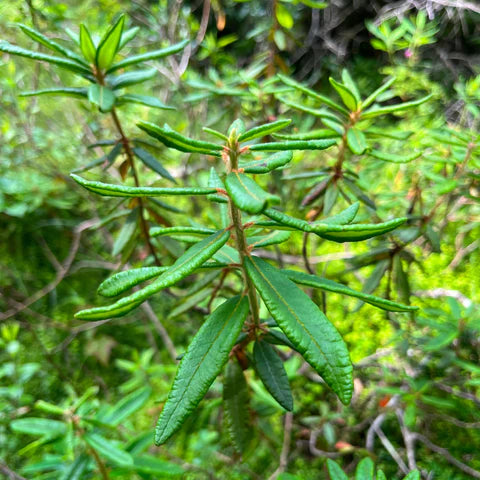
175,140
334,470
342,218
151,162
305,326
350,84
246,194
413,475
337,233
76,469
356,141
322,113
263,130
87,46
143,100
293,145
371,98
145,57
123,281
111,190
400,107
128,36
159,231
381,475
312,135
65,63
365,469
101,96
154,466
272,238
127,232
131,78
41,427
271,371
313,94
347,96
215,133
268,164
392,157
284,17
65,91
109,44
202,362
126,406
105,448
237,128
331,286
192,259
235,401
51,44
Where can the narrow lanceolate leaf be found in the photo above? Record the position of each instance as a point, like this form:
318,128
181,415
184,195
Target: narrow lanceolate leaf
344,217
147,100
65,63
128,36
331,286
335,471
145,57
101,96
395,158
263,130
87,47
108,450
215,133
131,78
192,259
268,164
305,326
109,45
356,141
127,231
156,467
76,469
293,145
246,194
312,135
123,281
313,94
356,232
151,162
41,427
337,233
202,362
272,238
348,97
400,107
126,406
65,91
159,231
271,371
175,140
235,401
322,113
371,98
52,45
111,190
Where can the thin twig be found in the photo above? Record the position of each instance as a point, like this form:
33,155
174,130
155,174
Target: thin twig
287,438
157,324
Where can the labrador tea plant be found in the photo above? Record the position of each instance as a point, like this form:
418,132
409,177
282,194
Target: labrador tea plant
268,308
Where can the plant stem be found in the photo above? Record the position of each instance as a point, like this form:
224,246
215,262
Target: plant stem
240,239
128,151
100,464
